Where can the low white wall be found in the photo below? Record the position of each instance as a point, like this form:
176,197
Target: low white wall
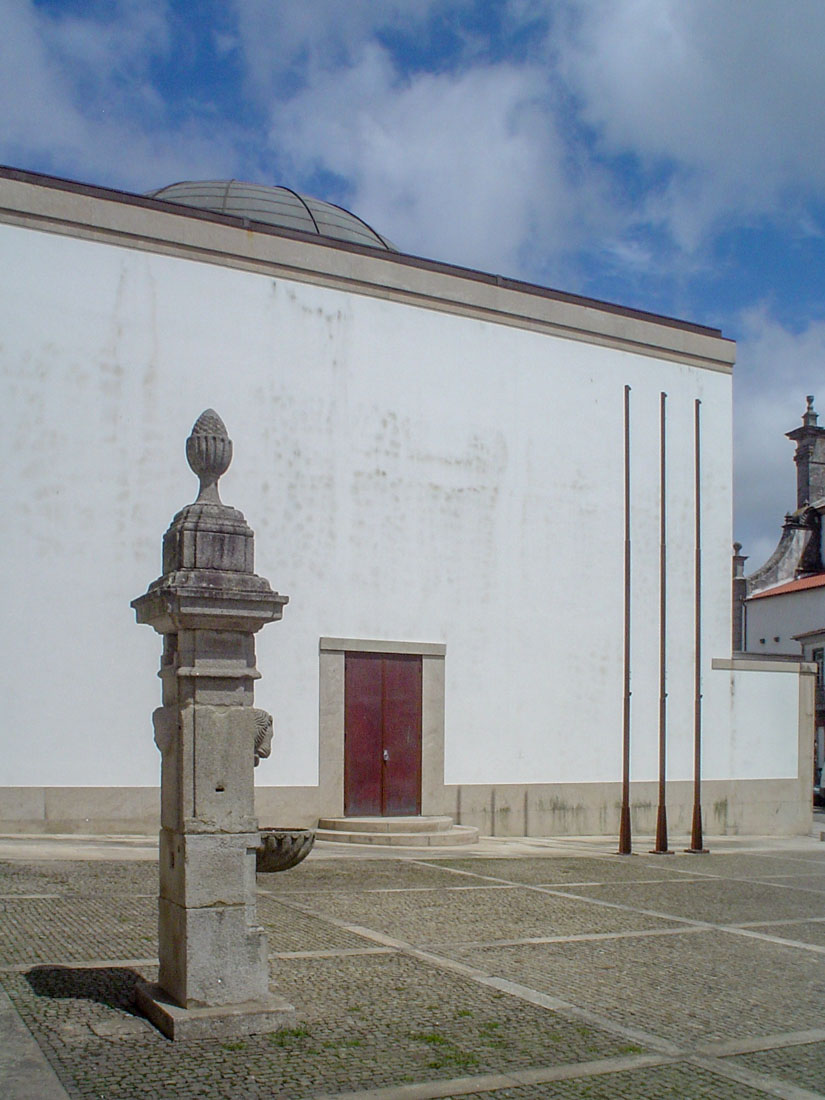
771,706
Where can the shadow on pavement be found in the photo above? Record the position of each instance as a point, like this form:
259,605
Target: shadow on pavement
109,985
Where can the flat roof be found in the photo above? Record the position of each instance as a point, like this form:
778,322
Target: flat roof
84,210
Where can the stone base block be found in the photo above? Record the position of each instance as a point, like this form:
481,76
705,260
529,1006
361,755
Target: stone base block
208,869
247,1018
212,955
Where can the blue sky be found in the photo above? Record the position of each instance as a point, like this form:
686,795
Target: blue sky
664,154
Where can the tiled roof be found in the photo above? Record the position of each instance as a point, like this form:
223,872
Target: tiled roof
816,581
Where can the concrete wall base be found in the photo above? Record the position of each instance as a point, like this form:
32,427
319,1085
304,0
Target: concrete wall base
769,807
765,807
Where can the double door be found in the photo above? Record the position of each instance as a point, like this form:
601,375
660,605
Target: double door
382,734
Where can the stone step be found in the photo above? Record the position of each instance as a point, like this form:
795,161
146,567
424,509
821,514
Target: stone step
408,824
455,834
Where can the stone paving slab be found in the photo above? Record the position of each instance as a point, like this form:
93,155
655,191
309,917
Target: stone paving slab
352,874
814,883
47,929
476,914
376,1021
814,854
803,1065
290,930
704,986
24,1072
762,865
622,1015
561,869
812,932
673,1082
721,902
78,878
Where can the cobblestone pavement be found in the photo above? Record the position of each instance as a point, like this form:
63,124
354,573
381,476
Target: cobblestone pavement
563,972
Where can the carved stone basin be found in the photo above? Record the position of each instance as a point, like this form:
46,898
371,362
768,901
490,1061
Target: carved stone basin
281,849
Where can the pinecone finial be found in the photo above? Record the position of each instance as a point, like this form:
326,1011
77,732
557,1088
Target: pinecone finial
209,452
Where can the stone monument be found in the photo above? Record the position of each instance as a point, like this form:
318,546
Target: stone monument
208,605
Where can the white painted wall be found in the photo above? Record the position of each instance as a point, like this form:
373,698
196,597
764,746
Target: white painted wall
410,475
764,722
778,618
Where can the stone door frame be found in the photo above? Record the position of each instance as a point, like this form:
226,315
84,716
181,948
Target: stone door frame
332,653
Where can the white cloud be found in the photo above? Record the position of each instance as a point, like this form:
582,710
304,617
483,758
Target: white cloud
474,160
36,95
718,100
78,97
727,95
464,166
318,36
776,369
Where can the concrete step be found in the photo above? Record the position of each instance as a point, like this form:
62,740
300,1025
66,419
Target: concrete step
409,832
409,824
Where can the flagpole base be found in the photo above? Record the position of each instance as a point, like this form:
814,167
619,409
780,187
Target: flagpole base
625,848
661,848
697,846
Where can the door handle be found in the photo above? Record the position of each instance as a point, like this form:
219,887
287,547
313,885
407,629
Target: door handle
386,755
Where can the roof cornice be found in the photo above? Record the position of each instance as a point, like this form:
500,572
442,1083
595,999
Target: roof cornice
137,221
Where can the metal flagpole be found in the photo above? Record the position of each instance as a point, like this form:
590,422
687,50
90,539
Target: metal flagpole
696,840
661,816
624,824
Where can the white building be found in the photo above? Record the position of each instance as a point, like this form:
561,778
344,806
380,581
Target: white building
786,596
780,607
433,463
775,617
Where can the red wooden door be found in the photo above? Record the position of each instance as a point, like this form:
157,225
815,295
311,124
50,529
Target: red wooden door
382,734
401,750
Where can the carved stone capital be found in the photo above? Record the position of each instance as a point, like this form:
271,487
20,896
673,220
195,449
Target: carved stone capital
263,734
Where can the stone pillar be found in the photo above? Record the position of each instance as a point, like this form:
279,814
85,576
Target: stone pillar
208,605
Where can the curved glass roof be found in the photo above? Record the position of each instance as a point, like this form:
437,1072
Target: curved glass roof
273,206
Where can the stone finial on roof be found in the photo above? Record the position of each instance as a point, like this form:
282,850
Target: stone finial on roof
809,457
739,594
209,452
739,560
